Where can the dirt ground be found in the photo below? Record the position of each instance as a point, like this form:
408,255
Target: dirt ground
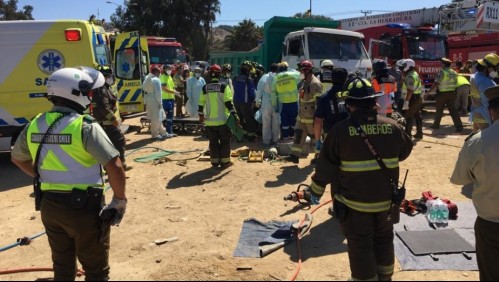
205,210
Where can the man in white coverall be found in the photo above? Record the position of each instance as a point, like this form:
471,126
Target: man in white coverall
154,108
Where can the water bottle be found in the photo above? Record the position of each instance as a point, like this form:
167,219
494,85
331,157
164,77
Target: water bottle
438,211
444,210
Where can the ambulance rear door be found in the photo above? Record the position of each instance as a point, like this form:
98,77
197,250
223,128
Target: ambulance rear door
131,61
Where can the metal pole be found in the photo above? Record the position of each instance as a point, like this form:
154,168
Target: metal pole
310,14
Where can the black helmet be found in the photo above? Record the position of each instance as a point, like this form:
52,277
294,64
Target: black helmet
360,89
379,66
227,68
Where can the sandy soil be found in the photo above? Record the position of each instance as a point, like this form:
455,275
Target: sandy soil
205,209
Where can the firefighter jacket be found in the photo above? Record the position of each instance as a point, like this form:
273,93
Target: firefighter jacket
213,101
349,166
104,106
64,162
310,91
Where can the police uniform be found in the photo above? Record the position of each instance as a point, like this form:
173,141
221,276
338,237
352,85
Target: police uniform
446,96
362,189
477,164
413,82
216,103
71,158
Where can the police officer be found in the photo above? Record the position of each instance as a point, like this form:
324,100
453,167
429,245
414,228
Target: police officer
217,98
360,187
105,111
64,150
413,101
310,90
446,82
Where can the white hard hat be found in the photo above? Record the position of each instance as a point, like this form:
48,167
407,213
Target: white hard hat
400,63
74,84
327,63
408,63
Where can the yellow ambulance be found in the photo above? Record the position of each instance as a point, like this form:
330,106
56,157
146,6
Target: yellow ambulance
31,51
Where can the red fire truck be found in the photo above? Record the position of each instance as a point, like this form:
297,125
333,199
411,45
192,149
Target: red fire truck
472,27
165,50
402,35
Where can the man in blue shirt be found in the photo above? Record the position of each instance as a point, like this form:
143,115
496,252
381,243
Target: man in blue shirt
244,98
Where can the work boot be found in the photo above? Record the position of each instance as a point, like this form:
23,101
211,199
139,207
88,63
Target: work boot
459,129
226,165
419,135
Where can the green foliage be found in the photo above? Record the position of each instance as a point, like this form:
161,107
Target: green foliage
245,36
9,12
188,21
306,15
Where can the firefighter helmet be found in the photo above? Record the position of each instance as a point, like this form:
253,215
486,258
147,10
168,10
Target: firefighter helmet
327,64
305,65
227,68
359,89
75,84
215,70
379,66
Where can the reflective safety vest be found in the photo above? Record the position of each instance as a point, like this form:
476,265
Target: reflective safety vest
285,88
388,88
326,79
449,81
214,97
462,80
64,163
168,81
418,85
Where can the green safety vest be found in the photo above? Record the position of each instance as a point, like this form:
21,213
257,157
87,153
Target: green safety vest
284,86
449,81
417,81
168,81
214,97
64,163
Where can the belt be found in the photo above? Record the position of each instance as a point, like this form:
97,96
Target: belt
59,197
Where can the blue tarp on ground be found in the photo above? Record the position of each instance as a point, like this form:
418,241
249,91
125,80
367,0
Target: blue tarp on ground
255,233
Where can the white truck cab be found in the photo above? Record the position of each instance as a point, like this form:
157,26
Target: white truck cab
345,48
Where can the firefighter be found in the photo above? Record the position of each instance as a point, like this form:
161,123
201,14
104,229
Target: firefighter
226,77
64,150
104,110
360,187
284,98
310,90
244,100
384,82
412,88
325,75
217,98
446,82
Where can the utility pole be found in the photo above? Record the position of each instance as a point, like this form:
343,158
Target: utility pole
310,14
366,12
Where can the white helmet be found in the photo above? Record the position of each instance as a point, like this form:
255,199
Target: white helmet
408,63
327,63
74,84
400,63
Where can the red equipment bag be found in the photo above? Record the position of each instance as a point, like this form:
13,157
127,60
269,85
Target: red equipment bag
452,207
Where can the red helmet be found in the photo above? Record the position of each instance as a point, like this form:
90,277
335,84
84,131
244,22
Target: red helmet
215,70
305,65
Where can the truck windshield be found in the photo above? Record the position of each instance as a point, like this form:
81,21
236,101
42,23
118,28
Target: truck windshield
334,46
426,47
166,54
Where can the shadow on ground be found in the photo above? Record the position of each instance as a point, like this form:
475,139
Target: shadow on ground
323,240
11,177
291,175
198,178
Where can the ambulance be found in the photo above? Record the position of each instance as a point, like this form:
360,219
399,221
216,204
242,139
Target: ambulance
31,51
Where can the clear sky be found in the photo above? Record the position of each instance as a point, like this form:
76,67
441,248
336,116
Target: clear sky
234,11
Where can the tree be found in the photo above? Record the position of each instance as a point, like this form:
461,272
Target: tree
9,12
306,15
188,21
244,37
